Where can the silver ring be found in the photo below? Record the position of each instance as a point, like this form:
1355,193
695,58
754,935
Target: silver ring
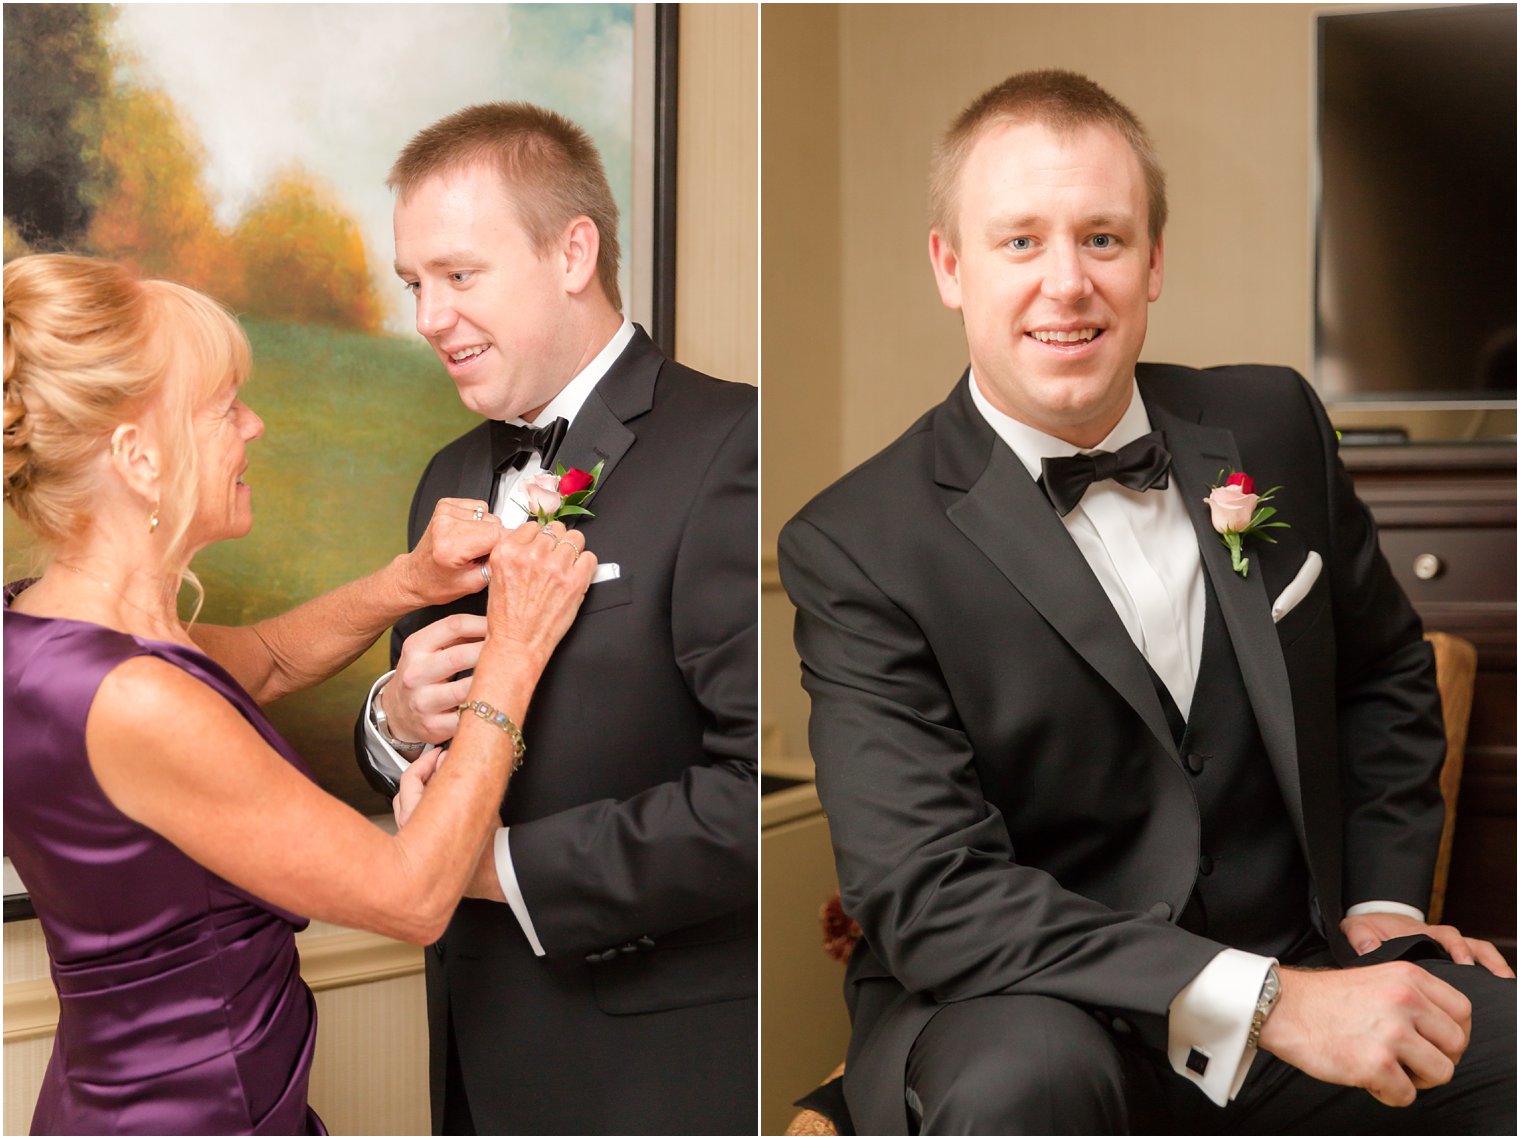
480,513
485,572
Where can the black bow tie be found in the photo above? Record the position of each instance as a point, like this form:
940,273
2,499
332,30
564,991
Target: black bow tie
1140,465
512,443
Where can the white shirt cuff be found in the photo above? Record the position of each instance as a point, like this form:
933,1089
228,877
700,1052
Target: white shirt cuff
1209,1020
381,755
1386,908
513,892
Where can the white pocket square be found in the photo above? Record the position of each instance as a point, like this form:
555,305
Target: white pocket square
606,571
1298,588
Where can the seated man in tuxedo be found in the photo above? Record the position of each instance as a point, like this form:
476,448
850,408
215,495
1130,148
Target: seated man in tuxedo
602,977
1139,832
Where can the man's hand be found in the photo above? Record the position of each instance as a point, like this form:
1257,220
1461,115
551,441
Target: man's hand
1366,932
420,701
1391,1029
413,781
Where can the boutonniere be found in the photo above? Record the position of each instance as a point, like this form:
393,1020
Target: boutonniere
1236,511
553,496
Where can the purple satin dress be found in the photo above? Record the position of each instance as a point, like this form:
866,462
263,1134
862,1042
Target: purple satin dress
181,1005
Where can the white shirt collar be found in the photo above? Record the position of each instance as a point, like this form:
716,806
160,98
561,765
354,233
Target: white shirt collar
570,398
1032,445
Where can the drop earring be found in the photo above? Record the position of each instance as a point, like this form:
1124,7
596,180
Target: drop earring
153,518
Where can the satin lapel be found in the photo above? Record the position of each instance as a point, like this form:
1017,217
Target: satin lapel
1198,455
596,436
477,476
1008,518
600,433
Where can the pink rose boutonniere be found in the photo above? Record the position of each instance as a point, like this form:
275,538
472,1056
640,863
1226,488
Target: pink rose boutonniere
560,494
1236,511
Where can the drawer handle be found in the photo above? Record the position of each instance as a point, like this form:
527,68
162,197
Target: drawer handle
1428,566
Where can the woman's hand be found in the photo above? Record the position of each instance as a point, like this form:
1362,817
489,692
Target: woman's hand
539,576
448,560
413,782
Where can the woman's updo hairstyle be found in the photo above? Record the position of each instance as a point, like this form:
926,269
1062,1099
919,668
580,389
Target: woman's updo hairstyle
88,347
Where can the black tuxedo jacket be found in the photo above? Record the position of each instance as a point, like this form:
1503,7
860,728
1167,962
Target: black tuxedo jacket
1008,808
634,816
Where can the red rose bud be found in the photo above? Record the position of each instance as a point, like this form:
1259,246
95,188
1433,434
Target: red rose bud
1244,481
574,481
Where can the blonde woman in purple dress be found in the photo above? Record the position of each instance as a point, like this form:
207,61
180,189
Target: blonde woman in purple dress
172,843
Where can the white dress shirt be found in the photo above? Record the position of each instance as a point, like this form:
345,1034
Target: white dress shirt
513,512
1144,552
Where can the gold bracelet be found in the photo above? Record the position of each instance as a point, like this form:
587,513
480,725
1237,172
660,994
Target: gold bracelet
491,716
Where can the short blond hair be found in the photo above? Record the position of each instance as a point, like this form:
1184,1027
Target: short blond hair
550,165
89,346
1061,100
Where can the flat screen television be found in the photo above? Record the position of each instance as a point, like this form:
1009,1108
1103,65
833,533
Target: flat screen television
1415,243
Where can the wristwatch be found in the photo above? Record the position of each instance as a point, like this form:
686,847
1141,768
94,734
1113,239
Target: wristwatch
1271,989
411,749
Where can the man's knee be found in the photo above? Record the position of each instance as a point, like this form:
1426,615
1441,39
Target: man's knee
1492,999
1481,1096
1016,1065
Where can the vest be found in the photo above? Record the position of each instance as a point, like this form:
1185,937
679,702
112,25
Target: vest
1253,890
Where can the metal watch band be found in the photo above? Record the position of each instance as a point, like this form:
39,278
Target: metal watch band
409,748
1271,989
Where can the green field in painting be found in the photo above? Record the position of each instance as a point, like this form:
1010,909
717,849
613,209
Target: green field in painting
350,421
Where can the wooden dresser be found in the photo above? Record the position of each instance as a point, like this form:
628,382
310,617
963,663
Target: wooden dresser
1446,520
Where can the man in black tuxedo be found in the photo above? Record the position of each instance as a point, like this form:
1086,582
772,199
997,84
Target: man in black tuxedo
1103,802
602,979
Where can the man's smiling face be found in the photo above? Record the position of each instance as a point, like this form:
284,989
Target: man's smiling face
492,308
1053,274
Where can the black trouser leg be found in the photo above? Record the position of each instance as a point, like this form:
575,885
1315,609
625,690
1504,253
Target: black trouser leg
1019,1065
456,1104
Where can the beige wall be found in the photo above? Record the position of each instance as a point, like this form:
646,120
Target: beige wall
717,214
803,273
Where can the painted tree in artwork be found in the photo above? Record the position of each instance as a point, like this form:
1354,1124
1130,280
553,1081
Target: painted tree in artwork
153,210
57,71
96,164
303,258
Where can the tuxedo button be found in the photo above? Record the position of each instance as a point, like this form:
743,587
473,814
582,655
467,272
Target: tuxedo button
1122,1026
628,947
609,954
593,959
1195,761
1162,911
1205,865
646,942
